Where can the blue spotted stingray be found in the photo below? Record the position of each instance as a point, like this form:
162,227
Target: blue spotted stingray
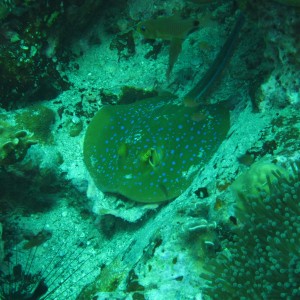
150,151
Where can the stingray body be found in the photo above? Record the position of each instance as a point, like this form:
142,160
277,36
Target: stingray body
149,151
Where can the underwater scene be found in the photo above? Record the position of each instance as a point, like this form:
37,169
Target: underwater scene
149,150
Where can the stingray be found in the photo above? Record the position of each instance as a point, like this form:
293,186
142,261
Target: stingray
150,151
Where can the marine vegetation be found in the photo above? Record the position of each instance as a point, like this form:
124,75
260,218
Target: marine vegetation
261,259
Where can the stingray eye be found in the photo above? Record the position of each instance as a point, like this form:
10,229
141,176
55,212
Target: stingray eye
146,156
143,28
155,158
152,157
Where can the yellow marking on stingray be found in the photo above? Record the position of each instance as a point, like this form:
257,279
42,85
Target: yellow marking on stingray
152,156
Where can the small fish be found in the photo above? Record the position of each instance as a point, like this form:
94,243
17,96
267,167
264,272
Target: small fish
173,29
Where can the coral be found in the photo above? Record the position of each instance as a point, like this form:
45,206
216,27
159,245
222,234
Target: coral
148,151
26,73
38,120
14,143
261,259
35,45
256,176
202,238
21,129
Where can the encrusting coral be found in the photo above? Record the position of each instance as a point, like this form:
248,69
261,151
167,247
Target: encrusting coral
257,176
22,129
261,259
14,143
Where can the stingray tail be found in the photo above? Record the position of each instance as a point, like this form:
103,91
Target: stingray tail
193,97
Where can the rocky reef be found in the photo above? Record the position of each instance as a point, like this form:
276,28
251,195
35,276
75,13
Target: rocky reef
229,227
